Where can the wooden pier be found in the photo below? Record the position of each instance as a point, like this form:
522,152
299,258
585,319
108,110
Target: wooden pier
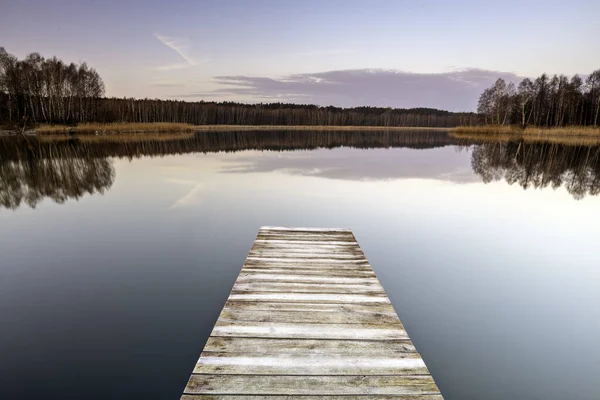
307,317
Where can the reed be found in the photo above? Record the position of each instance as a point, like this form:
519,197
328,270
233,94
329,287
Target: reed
116,128
314,128
567,140
166,127
118,137
583,131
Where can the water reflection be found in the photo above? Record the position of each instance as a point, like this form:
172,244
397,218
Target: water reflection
161,251
54,173
64,168
540,165
209,142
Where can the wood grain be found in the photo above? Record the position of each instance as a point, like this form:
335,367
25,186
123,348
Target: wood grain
308,317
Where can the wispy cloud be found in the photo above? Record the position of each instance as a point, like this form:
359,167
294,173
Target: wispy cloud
181,47
171,67
325,52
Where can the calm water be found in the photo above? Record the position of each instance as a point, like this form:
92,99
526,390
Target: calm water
110,285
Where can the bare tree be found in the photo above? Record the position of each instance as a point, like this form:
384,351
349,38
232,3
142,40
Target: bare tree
593,83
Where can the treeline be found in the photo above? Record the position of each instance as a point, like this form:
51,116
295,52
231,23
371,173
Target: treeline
229,113
47,90
546,101
53,92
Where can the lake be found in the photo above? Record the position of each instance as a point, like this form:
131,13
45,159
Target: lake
117,255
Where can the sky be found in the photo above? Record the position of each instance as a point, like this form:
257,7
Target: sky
394,53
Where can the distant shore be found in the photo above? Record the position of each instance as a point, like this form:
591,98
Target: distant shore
176,127
166,127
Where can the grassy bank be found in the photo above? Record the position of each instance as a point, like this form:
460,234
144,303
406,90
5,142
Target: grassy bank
179,128
504,137
312,128
103,129
118,137
570,131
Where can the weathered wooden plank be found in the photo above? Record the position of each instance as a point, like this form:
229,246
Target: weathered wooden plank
306,233
350,284
311,385
308,238
308,257
324,268
329,272
306,265
308,253
300,253
286,364
311,235
293,287
306,242
278,245
309,331
267,228
372,348
307,317
310,298
270,277
270,397
348,317
374,308
308,260
298,245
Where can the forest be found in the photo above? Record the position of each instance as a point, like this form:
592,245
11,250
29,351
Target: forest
50,91
555,101
42,90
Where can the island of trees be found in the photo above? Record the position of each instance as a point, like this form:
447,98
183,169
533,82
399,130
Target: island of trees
50,91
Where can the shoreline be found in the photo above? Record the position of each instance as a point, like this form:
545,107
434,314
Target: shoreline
530,131
507,137
167,127
315,128
569,135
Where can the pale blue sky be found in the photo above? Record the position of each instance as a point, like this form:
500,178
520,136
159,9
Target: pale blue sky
177,49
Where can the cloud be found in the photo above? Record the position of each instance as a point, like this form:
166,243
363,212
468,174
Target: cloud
171,67
454,91
443,164
181,47
326,52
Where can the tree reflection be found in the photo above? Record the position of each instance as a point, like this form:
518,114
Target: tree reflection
540,165
32,170
35,175
66,167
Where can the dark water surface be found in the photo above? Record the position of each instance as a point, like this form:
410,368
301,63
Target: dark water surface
110,285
